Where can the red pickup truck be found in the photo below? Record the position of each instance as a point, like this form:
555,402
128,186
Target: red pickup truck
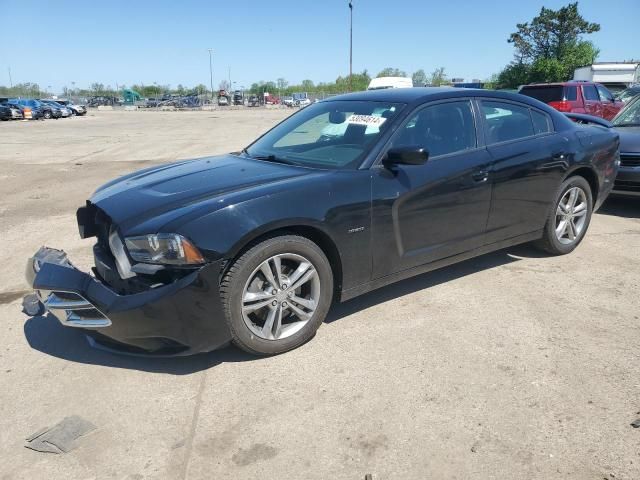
576,97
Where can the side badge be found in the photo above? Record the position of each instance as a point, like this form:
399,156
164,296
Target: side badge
356,229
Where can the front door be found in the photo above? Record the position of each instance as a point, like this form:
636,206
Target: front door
422,213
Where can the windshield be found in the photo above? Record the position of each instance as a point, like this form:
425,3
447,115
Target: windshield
628,94
332,135
629,115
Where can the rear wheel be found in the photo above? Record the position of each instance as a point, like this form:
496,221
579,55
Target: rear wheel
47,114
569,219
277,294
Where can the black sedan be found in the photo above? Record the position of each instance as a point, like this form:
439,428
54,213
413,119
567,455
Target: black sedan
5,112
345,196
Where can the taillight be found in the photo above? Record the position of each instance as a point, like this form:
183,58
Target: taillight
27,110
562,106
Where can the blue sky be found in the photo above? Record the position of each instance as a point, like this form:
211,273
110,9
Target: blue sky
166,42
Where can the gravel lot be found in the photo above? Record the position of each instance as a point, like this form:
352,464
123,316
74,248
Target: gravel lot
513,365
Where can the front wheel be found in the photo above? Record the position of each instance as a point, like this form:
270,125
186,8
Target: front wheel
569,218
47,115
277,294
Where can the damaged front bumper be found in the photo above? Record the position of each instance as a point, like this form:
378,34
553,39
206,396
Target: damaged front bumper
179,318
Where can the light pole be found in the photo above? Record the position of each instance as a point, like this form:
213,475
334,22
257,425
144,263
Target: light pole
211,70
10,80
350,45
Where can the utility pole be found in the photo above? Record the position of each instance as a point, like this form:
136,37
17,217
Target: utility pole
350,45
230,88
10,80
211,70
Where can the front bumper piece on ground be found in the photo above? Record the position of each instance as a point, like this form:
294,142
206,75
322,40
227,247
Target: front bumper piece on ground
180,318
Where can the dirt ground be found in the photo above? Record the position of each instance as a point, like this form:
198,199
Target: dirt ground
513,365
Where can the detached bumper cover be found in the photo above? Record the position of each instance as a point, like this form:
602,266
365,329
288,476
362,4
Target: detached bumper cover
180,318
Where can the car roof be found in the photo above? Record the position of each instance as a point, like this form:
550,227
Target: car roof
424,94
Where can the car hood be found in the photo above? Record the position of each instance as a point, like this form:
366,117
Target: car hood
159,195
629,139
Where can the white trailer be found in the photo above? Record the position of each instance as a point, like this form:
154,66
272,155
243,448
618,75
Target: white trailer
616,76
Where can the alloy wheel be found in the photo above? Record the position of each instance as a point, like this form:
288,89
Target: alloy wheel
280,296
571,215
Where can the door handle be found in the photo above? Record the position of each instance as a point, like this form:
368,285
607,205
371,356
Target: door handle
480,176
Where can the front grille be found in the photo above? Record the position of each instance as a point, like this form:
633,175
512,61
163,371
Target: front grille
626,186
627,160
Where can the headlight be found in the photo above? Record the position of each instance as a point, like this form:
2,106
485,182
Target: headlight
163,248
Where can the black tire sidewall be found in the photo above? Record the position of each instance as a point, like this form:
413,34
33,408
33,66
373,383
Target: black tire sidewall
553,242
238,275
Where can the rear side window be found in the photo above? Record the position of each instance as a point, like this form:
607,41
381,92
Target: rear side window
506,121
544,93
541,123
570,93
590,92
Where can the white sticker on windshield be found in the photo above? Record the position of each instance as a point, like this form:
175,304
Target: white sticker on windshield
367,120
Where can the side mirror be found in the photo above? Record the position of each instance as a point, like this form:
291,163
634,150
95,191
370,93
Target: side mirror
411,155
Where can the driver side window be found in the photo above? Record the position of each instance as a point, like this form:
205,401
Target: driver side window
441,129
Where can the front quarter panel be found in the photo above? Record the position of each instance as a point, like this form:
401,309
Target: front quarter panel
337,205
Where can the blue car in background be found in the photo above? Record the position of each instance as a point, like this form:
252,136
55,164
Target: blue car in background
32,109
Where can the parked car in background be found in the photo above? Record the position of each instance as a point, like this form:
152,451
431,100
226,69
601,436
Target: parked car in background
32,109
238,97
254,101
288,101
301,99
223,98
16,110
64,111
75,108
627,124
5,112
628,93
254,246
575,97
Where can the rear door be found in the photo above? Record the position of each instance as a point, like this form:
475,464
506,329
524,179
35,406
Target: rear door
592,103
422,213
528,165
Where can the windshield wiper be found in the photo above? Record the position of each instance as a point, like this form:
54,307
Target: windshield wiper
626,124
269,158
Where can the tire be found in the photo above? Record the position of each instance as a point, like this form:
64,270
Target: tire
577,225
47,114
244,280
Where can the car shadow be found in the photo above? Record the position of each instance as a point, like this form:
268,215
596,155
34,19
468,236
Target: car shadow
619,206
430,279
45,334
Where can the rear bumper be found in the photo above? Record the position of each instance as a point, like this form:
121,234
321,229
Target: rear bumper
180,318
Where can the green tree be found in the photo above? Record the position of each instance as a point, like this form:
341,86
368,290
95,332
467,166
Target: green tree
550,47
438,77
419,78
308,86
282,84
391,72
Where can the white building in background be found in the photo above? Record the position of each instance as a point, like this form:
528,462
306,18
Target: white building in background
615,75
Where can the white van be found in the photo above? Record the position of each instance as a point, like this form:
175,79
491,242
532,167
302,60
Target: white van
390,82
